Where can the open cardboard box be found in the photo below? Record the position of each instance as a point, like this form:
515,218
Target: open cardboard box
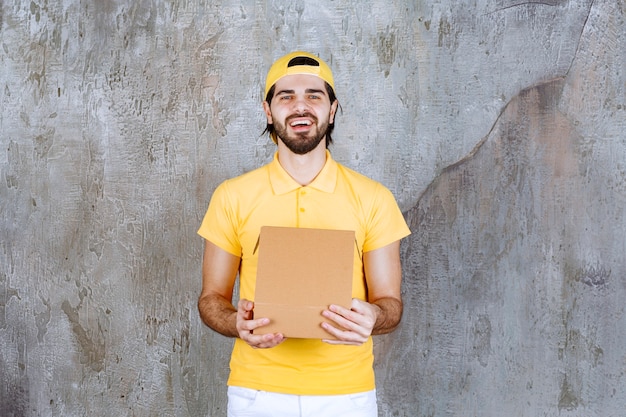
300,273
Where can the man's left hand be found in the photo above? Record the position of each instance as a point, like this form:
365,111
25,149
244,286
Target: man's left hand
353,326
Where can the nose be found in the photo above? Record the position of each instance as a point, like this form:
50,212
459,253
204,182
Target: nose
300,104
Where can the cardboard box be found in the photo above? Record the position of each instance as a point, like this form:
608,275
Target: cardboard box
300,273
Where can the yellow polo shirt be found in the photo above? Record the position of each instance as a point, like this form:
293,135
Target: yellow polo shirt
338,198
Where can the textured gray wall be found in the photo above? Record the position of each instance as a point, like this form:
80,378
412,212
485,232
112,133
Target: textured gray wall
499,125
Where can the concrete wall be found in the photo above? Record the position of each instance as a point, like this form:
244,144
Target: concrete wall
499,126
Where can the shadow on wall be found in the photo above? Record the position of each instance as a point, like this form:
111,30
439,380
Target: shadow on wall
512,261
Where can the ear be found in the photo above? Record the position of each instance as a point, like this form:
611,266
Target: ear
268,113
333,111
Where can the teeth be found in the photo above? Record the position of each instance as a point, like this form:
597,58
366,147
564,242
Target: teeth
301,123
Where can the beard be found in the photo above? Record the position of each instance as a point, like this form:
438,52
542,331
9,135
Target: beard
305,142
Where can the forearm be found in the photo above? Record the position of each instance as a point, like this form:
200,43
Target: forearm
388,315
219,314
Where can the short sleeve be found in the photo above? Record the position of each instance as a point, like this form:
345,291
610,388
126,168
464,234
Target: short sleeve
385,223
219,225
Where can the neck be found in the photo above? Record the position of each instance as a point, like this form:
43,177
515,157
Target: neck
302,168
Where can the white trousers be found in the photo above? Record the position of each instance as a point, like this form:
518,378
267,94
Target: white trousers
244,402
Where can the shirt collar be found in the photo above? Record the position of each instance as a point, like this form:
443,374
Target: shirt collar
282,182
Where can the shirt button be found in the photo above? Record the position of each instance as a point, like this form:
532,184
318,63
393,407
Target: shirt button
302,210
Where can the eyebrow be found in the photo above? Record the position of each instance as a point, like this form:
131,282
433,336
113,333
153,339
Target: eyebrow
307,91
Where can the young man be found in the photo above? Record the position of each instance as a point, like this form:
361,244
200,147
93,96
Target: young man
302,187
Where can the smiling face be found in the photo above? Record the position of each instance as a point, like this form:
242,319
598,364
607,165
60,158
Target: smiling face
300,112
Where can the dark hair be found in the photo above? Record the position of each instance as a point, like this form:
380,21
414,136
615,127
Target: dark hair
331,96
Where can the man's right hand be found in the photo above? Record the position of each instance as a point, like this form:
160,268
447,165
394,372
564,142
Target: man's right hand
246,324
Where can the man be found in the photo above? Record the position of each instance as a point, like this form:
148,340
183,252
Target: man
302,187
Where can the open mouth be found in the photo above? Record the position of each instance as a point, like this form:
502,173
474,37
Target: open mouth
298,123
301,121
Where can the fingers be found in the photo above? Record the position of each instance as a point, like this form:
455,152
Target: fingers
245,310
246,324
351,327
263,341
343,338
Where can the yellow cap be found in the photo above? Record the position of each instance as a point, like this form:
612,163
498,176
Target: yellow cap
298,62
